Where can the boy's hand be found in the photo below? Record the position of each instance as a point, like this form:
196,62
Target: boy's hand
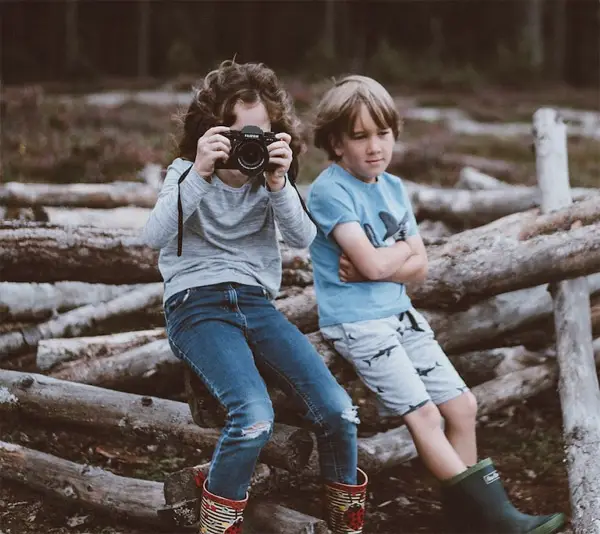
280,156
349,273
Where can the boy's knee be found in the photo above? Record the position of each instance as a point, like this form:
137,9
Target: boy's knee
427,415
462,410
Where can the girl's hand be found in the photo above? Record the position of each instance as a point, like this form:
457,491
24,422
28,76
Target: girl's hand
347,271
211,147
280,157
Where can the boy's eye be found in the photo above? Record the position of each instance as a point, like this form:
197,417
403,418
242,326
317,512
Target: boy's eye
383,133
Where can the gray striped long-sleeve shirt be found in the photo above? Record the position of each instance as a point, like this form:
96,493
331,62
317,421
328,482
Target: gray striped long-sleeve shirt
229,233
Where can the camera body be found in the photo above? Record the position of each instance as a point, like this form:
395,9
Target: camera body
249,153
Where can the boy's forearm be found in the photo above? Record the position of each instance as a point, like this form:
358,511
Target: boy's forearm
414,269
390,259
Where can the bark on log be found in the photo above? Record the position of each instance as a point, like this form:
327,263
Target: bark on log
68,402
38,252
127,498
51,352
24,301
109,195
78,320
578,387
584,213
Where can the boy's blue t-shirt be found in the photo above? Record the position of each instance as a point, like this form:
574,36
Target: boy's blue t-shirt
384,212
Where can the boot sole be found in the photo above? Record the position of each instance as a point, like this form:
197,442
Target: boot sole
550,526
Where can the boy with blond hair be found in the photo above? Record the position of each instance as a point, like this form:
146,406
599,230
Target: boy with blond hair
367,248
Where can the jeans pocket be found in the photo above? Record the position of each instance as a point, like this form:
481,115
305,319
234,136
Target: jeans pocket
176,300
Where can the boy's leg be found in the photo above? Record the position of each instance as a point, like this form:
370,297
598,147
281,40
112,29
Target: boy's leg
210,339
448,391
375,350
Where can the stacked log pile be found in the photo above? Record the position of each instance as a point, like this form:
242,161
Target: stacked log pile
80,266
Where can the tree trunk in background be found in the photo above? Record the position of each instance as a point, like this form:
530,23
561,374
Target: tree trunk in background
329,35
143,39
72,35
534,35
559,39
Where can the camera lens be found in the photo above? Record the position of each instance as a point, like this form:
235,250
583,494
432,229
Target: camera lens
251,155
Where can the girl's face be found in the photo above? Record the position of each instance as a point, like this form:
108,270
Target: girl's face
367,151
245,115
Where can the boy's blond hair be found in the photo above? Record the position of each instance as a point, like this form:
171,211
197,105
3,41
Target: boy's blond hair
339,107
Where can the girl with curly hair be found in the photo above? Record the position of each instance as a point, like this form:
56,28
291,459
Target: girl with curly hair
219,257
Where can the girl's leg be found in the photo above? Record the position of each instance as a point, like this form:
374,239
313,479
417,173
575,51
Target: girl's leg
287,356
205,333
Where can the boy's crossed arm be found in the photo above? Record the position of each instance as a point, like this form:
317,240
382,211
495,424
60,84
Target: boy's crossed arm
404,261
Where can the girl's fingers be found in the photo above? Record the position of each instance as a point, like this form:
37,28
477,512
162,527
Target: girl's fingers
286,137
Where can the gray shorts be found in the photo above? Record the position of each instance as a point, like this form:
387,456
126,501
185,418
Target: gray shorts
399,360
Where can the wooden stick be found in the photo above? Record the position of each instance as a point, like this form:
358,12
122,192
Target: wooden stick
578,385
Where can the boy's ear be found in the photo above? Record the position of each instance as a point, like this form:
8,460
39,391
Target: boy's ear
336,145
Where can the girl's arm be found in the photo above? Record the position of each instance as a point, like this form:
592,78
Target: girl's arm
161,226
295,226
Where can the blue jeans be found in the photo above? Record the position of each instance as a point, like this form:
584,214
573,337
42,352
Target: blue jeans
226,333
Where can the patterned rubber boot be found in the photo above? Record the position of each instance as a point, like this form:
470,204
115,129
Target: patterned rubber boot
219,515
346,505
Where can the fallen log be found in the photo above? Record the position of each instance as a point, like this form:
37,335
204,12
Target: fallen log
78,320
24,301
578,385
38,252
474,180
124,217
129,499
465,208
103,409
51,352
583,213
462,271
119,369
108,195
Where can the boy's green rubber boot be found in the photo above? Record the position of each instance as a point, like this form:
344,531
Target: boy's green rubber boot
475,502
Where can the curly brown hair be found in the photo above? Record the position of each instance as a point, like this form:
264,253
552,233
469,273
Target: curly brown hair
222,88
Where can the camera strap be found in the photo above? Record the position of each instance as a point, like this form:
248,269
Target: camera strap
180,211
180,206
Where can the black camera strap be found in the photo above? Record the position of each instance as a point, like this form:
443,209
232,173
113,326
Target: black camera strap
180,211
290,176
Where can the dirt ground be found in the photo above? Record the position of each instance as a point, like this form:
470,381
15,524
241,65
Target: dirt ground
524,441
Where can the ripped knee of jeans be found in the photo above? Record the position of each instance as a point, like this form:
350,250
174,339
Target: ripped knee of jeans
351,414
257,429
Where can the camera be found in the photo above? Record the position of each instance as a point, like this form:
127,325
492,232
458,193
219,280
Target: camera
249,153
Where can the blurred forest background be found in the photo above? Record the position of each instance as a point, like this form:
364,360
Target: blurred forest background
430,42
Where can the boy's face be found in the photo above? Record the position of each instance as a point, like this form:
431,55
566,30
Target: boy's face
367,151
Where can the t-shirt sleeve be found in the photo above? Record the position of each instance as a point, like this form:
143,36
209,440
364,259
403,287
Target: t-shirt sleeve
413,227
330,206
